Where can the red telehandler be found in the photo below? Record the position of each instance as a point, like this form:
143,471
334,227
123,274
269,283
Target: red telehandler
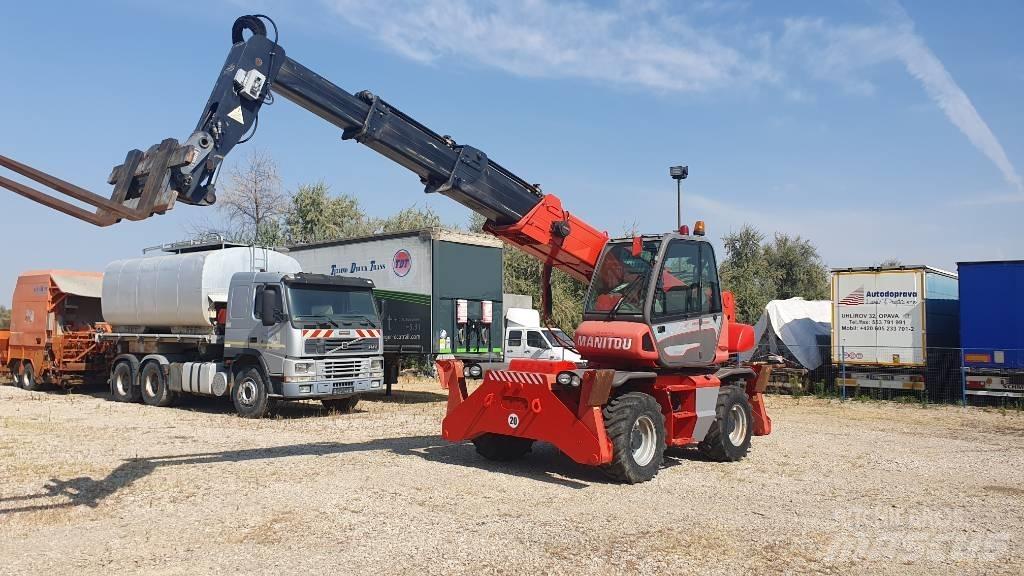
658,333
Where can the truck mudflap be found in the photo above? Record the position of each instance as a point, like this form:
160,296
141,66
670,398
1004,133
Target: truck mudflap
523,402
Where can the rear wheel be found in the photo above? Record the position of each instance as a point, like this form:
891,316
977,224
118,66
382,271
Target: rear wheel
122,383
250,394
153,385
728,439
28,378
343,405
501,447
636,428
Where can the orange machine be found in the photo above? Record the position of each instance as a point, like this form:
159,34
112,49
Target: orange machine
54,320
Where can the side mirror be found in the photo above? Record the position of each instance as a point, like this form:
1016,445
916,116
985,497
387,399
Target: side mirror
268,312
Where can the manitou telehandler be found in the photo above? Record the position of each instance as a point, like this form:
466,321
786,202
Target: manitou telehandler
658,333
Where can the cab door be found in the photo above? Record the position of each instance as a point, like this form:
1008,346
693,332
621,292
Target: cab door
686,304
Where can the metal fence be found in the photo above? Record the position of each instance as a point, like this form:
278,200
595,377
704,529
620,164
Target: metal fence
941,376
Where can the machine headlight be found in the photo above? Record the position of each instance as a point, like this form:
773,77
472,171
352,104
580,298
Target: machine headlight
568,379
304,368
376,363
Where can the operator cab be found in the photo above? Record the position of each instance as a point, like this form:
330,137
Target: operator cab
669,285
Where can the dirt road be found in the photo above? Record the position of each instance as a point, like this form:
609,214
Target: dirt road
94,487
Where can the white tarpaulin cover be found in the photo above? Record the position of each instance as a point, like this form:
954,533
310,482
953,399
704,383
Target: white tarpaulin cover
795,323
87,284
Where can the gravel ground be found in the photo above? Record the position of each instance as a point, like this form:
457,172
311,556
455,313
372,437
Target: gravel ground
94,487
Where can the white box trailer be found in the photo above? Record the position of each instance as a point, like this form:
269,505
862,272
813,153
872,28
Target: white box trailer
895,328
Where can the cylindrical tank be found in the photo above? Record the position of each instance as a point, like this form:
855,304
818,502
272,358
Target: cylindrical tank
180,290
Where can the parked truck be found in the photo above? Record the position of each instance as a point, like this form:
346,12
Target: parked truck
55,318
238,322
438,290
992,327
896,328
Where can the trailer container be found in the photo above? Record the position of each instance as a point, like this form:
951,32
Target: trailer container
439,291
55,316
896,328
992,327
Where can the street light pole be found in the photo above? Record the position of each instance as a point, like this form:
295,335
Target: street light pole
679,173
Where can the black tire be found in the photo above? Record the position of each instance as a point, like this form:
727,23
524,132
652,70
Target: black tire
15,368
720,444
501,447
636,428
251,393
124,382
343,405
28,378
153,385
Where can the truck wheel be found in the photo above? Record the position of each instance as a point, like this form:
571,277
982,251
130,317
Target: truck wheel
28,378
250,394
343,405
153,386
501,447
122,383
636,428
728,439
15,368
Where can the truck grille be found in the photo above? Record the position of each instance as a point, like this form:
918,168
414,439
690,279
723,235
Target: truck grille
343,369
334,346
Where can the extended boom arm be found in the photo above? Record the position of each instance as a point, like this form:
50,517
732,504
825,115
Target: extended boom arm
515,210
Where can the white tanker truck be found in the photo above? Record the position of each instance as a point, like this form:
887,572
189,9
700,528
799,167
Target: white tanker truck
241,321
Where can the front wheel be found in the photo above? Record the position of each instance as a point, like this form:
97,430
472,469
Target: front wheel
250,394
728,439
636,428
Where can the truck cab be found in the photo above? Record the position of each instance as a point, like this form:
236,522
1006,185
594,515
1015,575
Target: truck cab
317,336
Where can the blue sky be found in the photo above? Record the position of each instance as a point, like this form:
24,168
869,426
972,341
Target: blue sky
875,129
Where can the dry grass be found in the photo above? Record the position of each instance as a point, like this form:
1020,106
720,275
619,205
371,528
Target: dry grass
94,487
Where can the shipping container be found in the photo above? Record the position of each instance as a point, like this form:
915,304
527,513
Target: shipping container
435,288
992,327
896,328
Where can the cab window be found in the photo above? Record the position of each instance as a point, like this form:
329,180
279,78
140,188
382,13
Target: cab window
711,294
515,338
677,291
535,340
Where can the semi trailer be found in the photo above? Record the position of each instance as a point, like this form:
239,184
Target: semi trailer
244,323
992,327
896,328
659,335
55,318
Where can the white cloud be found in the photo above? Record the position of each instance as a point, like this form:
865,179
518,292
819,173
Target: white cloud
639,43
841,53
653,44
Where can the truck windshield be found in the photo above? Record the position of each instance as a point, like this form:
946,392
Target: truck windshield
332,305
557,338
620,282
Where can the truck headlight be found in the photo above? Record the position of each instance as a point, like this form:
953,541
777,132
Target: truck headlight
568,379
376,364
303,368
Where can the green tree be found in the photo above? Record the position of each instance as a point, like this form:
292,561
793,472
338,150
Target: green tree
757,272
317,216
5,317
745,272
798,268
522,274
411,218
